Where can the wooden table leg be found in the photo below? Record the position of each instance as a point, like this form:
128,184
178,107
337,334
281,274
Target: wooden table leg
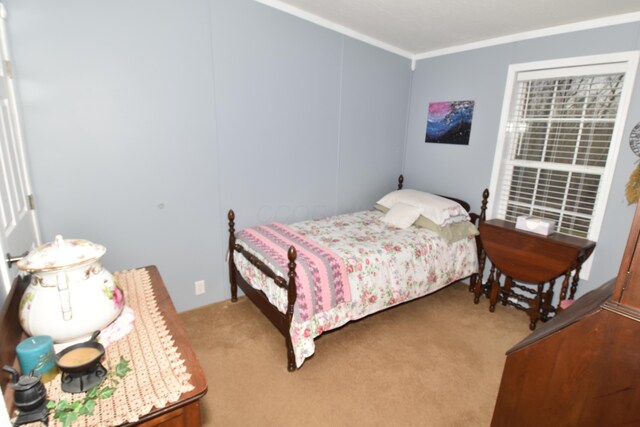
534,310
576,279
494,290
508,283
547,306
478,286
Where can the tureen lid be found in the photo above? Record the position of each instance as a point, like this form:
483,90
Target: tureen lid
61,254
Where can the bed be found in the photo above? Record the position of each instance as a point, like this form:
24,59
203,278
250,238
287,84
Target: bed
317,275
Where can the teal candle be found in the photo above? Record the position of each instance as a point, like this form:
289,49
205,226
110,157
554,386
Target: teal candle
36,354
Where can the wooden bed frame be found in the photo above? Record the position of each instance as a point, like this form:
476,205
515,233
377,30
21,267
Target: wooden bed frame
282,321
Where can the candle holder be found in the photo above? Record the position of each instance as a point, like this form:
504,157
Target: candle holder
80,365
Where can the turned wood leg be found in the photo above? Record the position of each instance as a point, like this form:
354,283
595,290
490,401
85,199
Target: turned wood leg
565,286
292,295
234,292
576,279
506,293
477,292
534,310
232,281
291,357
231,216
478,288
494,290
546,302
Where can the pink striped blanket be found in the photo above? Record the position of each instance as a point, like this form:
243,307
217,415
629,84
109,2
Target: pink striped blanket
321,276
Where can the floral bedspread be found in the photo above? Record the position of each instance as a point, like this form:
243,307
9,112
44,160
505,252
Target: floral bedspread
322,281
386,266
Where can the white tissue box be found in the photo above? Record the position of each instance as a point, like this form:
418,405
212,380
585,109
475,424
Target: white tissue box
536,225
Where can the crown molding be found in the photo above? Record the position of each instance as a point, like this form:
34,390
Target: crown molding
550,31
287,8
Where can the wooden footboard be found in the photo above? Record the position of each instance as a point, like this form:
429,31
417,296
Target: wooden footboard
283,321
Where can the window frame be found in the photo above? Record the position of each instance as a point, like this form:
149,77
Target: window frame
558,67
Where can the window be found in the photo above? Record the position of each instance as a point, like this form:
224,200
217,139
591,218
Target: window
560,133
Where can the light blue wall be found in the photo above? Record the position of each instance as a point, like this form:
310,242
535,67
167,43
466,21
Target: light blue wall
372,81
480,75
277,104
146,121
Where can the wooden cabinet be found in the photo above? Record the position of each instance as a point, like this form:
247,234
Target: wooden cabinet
530,264
627,289
582,367
183,412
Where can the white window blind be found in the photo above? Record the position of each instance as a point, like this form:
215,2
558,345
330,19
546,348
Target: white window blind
558,138
560,135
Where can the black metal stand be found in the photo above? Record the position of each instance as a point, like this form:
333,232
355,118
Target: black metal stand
80,382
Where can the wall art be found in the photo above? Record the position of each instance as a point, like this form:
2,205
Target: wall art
449,122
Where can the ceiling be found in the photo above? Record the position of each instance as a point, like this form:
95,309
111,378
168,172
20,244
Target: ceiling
420,28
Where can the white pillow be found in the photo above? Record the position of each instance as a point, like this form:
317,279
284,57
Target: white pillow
401,215
440,210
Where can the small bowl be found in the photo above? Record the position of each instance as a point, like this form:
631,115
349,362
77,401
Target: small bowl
86,357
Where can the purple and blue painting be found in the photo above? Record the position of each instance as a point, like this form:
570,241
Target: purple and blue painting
449,122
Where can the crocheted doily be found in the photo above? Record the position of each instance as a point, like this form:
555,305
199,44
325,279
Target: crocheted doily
158,375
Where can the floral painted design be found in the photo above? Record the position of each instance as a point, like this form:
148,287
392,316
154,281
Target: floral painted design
386,266
61,253
25,303
114,293
93,269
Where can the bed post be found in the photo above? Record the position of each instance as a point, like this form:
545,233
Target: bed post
292,294
476,282
483,207
400,181
231,216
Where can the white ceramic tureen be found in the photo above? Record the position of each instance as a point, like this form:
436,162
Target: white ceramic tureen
70,294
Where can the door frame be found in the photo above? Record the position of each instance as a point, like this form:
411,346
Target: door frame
6,273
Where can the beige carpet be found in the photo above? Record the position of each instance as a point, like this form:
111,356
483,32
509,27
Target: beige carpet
436,361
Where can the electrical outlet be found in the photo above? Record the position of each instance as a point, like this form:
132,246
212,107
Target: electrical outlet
200,287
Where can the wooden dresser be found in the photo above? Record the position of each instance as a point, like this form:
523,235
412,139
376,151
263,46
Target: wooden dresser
184,412
522,256
582,368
